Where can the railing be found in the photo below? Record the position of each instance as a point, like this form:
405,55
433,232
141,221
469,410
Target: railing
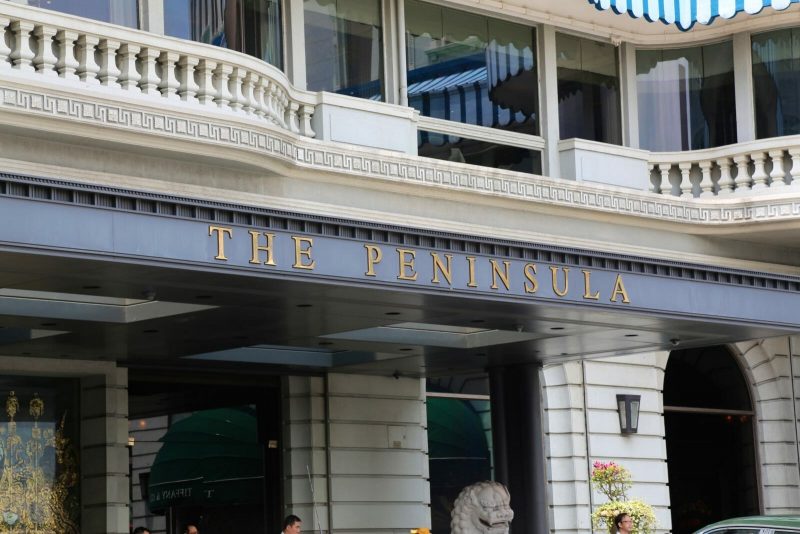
768,165
110,57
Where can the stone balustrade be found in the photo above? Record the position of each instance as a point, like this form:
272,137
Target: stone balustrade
106,57
767,165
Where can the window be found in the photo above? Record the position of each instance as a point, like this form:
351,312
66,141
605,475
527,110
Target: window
476,152
686,97
344,41
122,12
249,26
776,82
588,90
471,68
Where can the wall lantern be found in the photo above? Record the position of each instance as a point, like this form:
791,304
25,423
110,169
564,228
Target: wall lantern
628,406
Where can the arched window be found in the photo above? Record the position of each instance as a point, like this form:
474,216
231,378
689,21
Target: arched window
708,419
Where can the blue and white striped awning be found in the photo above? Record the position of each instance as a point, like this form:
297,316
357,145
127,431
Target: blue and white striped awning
685,13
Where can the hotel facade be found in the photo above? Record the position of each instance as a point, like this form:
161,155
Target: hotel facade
342,258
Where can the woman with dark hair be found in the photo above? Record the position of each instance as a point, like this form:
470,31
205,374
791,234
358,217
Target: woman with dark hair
623,524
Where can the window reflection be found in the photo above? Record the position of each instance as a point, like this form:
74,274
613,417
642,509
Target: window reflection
588,90
686,98
475,152
776,82
249,26
470,68
122,12
344,47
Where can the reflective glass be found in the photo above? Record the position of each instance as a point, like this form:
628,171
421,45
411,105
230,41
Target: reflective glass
686,97
474,152
344,47
249,26
471,68
122,12
776,82
588,90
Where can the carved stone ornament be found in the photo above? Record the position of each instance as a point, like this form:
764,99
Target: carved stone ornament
482,508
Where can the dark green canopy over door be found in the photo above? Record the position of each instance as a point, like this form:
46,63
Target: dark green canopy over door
211,458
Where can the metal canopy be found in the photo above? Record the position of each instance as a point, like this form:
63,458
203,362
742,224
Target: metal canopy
685,13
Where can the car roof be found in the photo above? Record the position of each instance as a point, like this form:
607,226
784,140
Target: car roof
768,521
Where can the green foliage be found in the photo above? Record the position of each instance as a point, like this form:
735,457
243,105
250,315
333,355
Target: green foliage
613,481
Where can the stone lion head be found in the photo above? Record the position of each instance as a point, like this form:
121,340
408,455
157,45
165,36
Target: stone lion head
482,508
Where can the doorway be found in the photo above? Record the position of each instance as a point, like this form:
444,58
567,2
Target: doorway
711,456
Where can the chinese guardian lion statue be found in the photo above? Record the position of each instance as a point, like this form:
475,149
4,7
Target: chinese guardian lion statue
482,508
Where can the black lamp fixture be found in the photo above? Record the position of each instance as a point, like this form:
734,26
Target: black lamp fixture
628,406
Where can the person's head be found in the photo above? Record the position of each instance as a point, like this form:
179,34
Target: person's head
191,529
622,522
141,530
292,525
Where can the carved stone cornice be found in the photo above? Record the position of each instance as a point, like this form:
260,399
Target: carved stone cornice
267,146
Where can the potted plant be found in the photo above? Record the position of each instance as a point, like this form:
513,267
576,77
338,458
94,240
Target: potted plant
613,481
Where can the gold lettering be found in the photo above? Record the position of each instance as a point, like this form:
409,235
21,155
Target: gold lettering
587,287
619,289
496,273
221,233
438,266
301,252
532,285
256,248
554,271
374,257
406,263
472,282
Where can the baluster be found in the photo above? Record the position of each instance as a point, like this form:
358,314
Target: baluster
129,77
22,55
87,64
45,60
725,181
759,174
794,153
169,81
777,175
248,84
686,182
706,184
205,81
222,95
259,96
149,80
272,104
283,108
655,186
292,117
743,179
5,51
306,111
189,88
109,72
66,64
664,169
235,85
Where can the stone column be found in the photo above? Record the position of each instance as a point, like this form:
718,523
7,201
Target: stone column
104,453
